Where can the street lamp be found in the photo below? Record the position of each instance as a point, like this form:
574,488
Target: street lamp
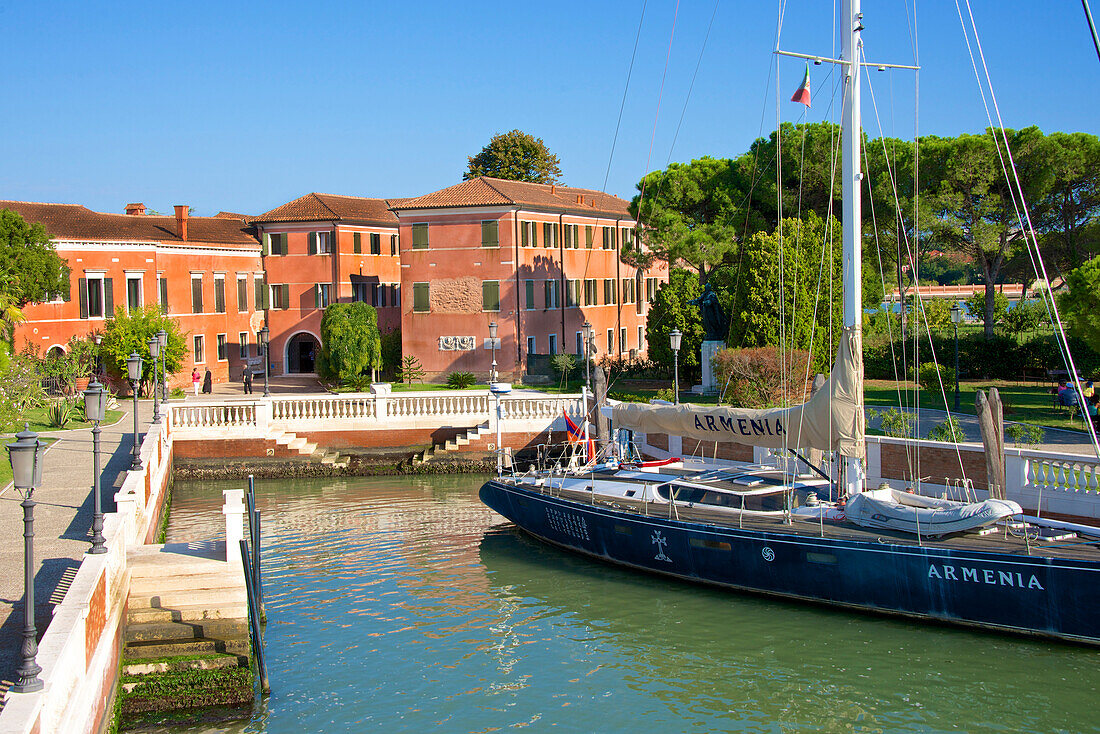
95,409
133,370
956,317
674,337
98,339
264,334
154,352
162,339
26,456
586,334
493,341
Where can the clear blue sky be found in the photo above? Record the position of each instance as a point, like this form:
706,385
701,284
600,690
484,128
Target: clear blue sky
244,106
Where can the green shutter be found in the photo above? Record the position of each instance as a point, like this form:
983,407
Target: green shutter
420,297
82,294
266,247
529,292
420,236
490,295
108,298
284,291
357,248
490,234
317,295
312,243
588,237
393,244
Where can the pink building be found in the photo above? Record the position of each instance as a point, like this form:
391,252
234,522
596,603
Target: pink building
536,259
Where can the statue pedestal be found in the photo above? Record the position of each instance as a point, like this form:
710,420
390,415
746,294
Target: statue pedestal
706,353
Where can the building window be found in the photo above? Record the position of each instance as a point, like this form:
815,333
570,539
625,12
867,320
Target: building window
610,341
133,293
550,290
528,234
395,295
608,291
242,344
531,345
553,344
378,294
622,339
420,236
580,344
628,290
196,294
490,295
528,294
219,294
627,234
280,296
590,292
96,296
223,348
572,293
162,292
242,294
275,244
420,298
375,243
320,243
569,236
359,292
608,237
259,284
198,350
393,244
321,293
357,243
588,236
549,234
490,234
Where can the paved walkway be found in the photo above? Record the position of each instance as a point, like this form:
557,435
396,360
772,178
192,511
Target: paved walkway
62,524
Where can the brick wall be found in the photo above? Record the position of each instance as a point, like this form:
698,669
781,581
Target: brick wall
934,463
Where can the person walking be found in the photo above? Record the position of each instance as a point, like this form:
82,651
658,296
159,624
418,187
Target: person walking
196,380
247,381
207,382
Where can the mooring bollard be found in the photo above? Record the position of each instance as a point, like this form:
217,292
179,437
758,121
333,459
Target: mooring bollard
233,509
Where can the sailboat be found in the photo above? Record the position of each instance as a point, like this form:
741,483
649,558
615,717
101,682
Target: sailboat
765,530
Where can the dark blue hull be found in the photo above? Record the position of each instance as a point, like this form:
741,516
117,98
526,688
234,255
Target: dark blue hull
1053,597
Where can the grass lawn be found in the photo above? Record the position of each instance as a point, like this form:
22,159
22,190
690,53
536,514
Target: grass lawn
1023,402
39,423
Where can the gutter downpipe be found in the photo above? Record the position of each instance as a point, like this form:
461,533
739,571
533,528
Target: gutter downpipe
519,311
561,278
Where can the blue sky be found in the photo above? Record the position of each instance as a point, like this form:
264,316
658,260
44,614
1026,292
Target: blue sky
244,106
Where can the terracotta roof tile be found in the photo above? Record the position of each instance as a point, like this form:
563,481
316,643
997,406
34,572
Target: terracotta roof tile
75,222
331,207
485,191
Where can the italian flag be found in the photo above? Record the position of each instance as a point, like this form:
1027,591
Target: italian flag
803,93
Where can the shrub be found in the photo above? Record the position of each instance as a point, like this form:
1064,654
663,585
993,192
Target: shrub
950,431
1022,433
359,383
410,370
460,380
931,376
666,393
975,305
177,392
563,364
759,378
1025,316
59,412
896,423
350,342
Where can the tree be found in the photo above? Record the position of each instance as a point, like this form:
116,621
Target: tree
797,306
516,156
30,268
350,342
670,310
1065,215
130,332
977,306
1080,303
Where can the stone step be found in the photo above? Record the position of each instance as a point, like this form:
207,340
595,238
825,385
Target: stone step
285,438
175,598
195,646
297,443
214,661
160,632
186,613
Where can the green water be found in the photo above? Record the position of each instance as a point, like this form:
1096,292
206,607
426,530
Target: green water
402,604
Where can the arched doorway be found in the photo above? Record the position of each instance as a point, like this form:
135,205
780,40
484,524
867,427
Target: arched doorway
301,353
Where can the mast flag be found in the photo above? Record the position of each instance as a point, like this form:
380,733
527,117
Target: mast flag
803,94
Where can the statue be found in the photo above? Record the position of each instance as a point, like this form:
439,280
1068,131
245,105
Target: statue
716,326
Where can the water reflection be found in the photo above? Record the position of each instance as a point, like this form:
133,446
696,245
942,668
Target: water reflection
407,604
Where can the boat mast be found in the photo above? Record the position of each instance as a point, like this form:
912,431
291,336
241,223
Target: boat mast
851,211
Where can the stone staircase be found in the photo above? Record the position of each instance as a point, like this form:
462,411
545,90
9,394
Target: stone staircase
462,439
304,447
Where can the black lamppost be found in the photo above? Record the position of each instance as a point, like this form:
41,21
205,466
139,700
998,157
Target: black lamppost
264,333
586,336
133,370
154,352
26,466
95,409
493,340
956,317
162,339
674,337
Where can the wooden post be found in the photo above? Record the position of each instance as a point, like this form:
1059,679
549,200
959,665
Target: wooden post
991,420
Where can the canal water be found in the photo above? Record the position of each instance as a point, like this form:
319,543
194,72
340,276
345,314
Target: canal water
402,604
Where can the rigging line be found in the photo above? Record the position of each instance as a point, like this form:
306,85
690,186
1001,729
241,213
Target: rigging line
1092,26
691,86
1025,218
622,105
660,95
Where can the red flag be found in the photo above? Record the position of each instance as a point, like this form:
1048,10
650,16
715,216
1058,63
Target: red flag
803,93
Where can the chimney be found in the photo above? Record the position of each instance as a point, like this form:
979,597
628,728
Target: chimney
135,210
181,221
551,189
580,199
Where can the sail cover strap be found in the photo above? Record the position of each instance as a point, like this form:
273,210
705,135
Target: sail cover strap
831,420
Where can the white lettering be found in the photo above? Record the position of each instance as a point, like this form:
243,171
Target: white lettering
933,573
1006,578
988,576
970,574
1034,584
949,573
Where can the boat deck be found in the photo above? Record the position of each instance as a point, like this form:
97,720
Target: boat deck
1000,538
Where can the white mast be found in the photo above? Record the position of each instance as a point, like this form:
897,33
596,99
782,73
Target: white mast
851,271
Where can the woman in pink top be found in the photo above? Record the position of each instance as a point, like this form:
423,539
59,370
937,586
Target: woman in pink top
196,379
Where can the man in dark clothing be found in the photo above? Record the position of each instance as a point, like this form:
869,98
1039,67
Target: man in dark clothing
247,382
207,382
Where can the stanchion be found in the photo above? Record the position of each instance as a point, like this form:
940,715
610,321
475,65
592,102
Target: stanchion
254,619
